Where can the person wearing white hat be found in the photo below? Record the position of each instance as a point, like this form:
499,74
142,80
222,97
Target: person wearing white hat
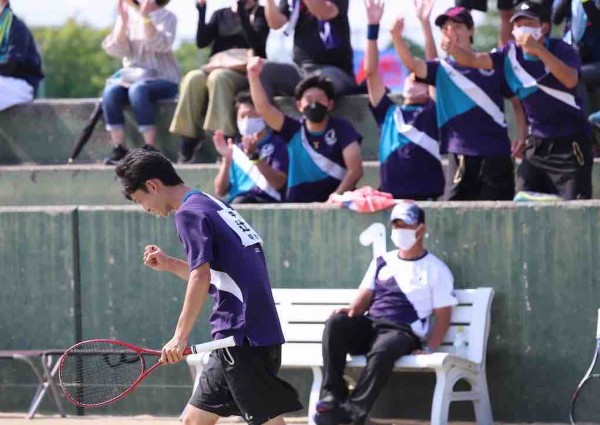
390,317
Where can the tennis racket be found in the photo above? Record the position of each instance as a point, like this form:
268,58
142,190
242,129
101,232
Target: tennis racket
98,372
585,402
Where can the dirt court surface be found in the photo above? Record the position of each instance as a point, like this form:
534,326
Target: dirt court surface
19,419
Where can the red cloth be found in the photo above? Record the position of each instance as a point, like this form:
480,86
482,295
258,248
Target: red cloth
364,200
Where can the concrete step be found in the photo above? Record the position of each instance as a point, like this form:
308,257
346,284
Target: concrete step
93,184
45,131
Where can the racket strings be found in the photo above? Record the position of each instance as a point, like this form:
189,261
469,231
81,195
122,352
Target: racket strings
96,372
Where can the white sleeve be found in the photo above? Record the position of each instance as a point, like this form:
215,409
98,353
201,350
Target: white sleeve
442,287
368,281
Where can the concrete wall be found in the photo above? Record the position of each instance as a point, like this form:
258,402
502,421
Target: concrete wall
541,261
96,184
45,131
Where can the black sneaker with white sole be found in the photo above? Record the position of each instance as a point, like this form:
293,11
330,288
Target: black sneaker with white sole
118,153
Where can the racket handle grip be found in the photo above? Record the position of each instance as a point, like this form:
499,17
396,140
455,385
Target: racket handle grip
598,328
210,346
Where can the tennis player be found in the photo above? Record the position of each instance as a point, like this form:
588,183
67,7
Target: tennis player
225,259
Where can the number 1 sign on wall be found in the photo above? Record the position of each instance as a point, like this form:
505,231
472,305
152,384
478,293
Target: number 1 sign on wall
375,235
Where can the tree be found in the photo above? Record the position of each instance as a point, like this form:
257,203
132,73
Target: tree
189,57
74,63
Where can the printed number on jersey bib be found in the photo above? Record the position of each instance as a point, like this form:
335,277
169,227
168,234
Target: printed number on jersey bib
247,234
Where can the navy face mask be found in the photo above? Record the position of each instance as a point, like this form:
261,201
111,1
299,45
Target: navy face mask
315,112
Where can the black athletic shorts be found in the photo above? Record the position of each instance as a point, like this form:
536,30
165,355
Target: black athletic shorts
479,178
561,166
242,381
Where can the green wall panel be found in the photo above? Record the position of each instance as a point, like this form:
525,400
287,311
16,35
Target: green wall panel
37,286
540,259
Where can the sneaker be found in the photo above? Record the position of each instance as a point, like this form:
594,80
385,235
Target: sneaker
187,149
118,153
330,412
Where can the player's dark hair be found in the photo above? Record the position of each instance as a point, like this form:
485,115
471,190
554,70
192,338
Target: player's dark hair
318,81
140,165
243,98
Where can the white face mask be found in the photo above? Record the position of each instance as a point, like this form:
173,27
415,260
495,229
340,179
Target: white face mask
521,31
404,239
250,126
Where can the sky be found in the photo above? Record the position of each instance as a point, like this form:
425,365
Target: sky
101,13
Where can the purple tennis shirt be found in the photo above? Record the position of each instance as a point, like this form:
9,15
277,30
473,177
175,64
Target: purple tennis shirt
213,232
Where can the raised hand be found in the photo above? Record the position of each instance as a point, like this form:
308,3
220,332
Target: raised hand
398,28
249,143
449,41
529,43
147,6
423,9
201,2
255,66
374,11
155,258
224,147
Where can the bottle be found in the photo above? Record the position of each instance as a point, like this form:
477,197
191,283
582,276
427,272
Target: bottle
460,342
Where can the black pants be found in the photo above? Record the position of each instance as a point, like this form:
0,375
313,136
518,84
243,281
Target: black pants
383,344
479,178
561,166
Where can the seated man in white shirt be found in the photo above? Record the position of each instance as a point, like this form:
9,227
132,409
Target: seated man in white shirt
391,317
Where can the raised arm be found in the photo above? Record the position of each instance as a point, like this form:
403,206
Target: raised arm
224,148
323,10
160,34
423,9
464,57
416,65
156,259
564,73
116,44
375,84
275,18
255,32
273,117
206,32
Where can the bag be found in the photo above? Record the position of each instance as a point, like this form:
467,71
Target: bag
128,76
234,59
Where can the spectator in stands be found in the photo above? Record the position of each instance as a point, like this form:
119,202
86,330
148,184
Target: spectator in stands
470,114
253,170
400,294
212,89
409,152
20,63
543,72
143,37
324,152
505,8
321,45
583,33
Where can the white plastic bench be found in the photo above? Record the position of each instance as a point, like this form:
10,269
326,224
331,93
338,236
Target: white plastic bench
303,312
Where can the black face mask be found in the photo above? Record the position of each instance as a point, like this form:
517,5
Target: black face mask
315,112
